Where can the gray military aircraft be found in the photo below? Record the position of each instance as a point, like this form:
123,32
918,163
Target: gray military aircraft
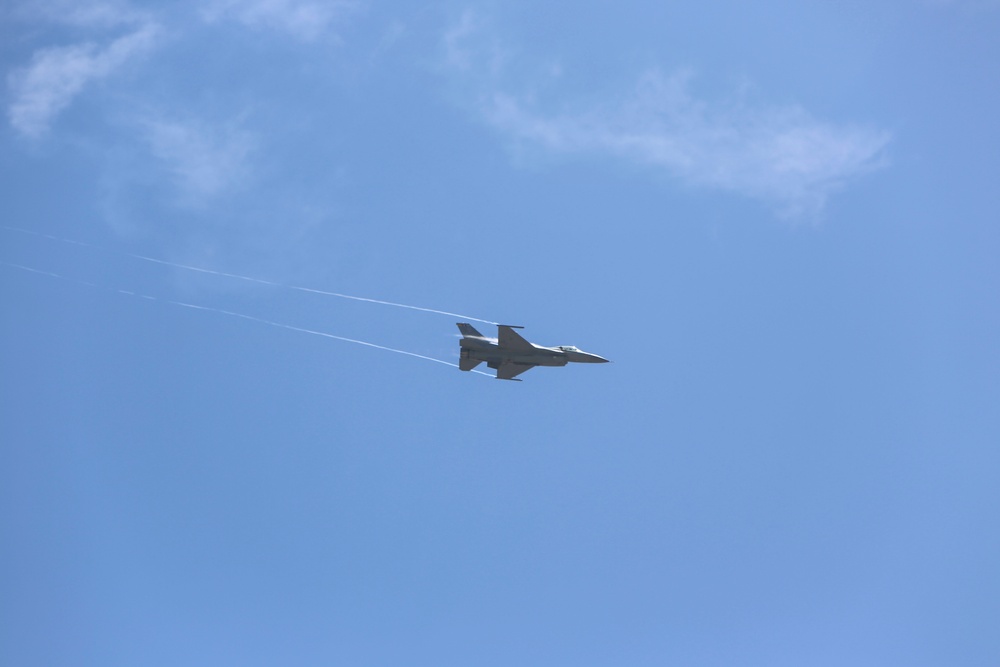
510,354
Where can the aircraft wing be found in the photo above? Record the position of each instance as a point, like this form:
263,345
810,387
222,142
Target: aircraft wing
509,339
508,370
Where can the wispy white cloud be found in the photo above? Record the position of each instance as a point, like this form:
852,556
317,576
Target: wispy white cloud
204,160
307,20
83,13
971,5
457,50
390,37
779,154
782,155
41,90
469,49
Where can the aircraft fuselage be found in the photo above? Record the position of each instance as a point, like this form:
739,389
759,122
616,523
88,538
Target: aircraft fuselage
510,354
486,349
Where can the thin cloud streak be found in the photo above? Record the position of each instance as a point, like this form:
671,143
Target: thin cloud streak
306,20
56,75
778,154
973,5
83,14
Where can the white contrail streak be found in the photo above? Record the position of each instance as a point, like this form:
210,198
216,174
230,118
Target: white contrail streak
259,281
308,331
243,316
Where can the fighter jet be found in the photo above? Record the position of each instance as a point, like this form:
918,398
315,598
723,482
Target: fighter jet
510,354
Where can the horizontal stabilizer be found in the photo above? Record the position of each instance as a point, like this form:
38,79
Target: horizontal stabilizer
467,363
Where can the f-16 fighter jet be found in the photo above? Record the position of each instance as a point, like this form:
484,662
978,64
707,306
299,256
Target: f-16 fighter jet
511,355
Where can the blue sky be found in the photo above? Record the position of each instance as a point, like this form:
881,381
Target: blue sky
779,220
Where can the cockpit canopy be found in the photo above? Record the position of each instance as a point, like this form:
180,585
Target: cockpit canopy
569,348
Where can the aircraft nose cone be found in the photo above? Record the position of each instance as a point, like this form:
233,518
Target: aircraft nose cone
579,356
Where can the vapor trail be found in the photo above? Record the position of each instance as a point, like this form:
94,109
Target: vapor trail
308,331
259,281
231,313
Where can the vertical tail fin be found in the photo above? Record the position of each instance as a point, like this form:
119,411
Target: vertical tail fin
468,330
